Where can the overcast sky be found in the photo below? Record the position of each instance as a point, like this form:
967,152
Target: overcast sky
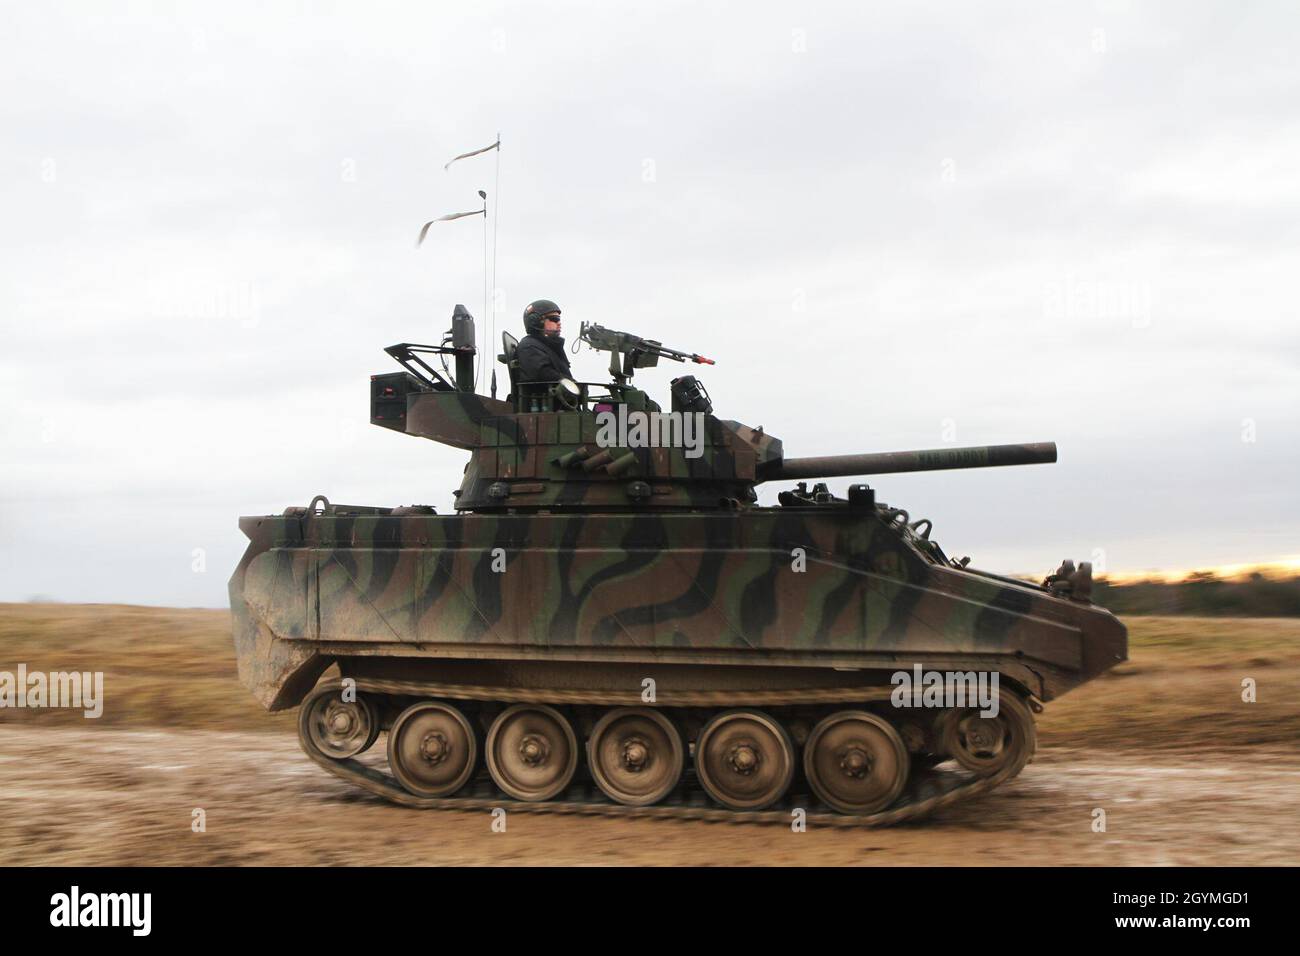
895,226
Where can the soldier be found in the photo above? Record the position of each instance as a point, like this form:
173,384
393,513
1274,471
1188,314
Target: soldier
540,354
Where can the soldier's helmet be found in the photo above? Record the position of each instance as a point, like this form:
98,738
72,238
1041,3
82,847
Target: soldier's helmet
536,312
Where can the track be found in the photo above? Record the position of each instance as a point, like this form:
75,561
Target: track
927,791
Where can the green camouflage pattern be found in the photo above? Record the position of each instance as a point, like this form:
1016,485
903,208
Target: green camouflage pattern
564,551
668,588
519,460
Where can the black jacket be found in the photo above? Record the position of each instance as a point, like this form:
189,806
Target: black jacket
541,358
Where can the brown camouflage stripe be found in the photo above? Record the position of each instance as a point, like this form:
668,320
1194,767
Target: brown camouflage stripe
642,582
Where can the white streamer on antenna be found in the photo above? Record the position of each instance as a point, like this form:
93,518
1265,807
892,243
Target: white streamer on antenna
424,230
476,152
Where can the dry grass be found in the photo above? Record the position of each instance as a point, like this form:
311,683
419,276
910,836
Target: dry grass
172,667
1182,687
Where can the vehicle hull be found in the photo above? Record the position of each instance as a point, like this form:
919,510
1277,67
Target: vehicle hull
756,597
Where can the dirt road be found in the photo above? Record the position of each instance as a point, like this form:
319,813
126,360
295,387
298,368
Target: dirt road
1186,771
126,797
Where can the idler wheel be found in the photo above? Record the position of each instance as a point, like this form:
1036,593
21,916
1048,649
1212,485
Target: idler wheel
856,762
989,745
531,752
337,727
744,759
636,755
432,749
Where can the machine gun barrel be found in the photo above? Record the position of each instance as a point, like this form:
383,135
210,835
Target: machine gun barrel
636,351
674,354
889,462
611,340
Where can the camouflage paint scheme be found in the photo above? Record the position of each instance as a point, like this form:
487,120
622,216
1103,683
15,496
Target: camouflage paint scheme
664,560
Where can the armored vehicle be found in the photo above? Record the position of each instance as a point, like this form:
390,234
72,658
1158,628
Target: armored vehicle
610,623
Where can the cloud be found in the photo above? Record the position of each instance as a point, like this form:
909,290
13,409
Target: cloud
887,224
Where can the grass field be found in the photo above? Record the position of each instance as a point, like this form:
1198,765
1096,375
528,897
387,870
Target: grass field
1181,687
172,667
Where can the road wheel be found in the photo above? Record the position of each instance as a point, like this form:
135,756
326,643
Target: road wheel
432,749
990,745
744,759
338,728
531,752
635,755
856,762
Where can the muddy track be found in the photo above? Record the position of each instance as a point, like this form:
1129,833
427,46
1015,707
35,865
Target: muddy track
927,791
69,796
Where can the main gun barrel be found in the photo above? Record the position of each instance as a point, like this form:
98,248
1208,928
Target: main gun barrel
930,459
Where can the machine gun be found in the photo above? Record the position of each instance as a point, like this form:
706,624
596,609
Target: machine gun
636,351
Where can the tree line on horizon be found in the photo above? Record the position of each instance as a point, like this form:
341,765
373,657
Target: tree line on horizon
1203,594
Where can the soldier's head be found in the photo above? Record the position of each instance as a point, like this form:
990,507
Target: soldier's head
542,317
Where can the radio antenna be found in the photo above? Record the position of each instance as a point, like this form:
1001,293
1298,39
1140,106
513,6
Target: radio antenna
482,356
489,298
496,221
